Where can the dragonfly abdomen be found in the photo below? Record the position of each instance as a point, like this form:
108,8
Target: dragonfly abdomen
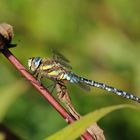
71,77
110,89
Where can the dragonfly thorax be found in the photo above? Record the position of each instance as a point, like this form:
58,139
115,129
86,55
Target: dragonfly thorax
34,63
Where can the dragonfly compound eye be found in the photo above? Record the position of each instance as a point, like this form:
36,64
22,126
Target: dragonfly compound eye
34,63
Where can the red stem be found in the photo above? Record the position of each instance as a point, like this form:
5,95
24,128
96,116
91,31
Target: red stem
42,90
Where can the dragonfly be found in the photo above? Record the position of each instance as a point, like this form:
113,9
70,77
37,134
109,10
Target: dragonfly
58,69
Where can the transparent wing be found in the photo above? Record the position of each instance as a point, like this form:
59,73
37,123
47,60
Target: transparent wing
83,86
58,57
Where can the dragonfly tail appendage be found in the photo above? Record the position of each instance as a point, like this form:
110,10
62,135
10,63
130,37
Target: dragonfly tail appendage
110,89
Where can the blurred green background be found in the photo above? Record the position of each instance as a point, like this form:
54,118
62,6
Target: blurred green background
101,38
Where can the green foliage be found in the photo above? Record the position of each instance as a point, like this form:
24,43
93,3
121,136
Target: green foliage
7,97
101,38
74,130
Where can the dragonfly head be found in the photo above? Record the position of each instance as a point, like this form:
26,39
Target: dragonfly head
34,63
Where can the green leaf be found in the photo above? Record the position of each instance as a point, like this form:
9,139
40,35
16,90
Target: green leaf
74,130
9,94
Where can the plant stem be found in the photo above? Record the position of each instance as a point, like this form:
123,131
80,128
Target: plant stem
42,90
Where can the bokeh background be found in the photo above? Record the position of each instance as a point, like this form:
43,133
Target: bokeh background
101,38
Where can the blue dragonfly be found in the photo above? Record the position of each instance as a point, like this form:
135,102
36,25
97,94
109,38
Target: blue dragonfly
58,69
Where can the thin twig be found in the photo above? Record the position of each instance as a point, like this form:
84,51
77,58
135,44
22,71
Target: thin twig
42,90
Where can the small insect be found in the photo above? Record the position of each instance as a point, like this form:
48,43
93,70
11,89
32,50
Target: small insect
58,69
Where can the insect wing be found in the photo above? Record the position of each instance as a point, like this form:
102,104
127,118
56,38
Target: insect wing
83,86
58,57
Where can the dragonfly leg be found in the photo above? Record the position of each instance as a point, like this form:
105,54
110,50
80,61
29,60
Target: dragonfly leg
39,77
53,85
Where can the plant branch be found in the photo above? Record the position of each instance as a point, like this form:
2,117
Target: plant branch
42,90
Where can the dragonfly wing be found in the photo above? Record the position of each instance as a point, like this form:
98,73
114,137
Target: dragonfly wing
73,78
58,57
83,86
65,64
